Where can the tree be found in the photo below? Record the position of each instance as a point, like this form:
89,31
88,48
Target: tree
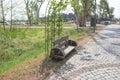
86,5
68,17
77,10
11,18
28,11
82,9
54,21
38,5
111,10
3,15
103,9
33,9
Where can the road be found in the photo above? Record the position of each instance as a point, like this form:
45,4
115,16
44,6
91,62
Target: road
99,59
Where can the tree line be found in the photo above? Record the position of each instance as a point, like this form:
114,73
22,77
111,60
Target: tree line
82,9
66,17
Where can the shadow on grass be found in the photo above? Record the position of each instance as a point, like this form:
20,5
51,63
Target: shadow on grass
49,66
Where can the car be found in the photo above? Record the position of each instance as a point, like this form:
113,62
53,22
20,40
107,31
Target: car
18,23
5,22
105,22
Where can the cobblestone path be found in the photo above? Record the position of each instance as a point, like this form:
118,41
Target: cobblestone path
99,59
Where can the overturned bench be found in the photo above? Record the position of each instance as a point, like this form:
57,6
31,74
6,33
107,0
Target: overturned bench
63,47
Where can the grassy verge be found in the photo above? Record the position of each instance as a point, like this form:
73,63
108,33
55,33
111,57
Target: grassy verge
21,45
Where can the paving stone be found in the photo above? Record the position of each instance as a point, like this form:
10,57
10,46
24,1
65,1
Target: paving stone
99,59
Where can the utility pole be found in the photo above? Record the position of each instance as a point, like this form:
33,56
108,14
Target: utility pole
94,27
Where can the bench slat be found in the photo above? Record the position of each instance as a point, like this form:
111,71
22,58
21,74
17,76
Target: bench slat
61,40
63,46
68,49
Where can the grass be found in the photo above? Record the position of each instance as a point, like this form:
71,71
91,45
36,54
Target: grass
74,34
68,25
20,45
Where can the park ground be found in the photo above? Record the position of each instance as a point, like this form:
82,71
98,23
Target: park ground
40,68
99,59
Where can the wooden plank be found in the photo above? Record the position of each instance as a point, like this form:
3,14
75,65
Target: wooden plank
62,44
64,38
68,49
57,42
61,41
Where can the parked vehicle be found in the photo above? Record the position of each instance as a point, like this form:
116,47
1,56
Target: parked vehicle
5,22
105,22
18,23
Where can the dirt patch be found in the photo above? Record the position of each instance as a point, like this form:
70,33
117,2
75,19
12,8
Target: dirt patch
41,68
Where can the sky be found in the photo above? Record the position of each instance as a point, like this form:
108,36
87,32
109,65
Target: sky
116,5
20,9
113,3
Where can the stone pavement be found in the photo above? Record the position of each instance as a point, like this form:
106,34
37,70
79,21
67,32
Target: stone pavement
99,59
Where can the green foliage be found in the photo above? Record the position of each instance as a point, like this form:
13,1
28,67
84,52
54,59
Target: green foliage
73,34
111,10
77,7
9,49
82,10
55,22
104,10
15,43
16,48
33,9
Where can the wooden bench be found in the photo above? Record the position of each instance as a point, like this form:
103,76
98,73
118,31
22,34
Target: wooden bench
63,47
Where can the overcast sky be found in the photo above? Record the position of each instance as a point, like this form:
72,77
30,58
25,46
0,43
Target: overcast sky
113,3
21,8
116,5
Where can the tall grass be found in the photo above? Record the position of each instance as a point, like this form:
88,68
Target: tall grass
17,46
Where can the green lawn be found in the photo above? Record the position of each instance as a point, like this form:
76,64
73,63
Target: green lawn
21,45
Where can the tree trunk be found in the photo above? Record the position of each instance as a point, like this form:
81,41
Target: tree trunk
3,15
85,13
28,12
11,18
37,15
77,20
38,10
29,18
